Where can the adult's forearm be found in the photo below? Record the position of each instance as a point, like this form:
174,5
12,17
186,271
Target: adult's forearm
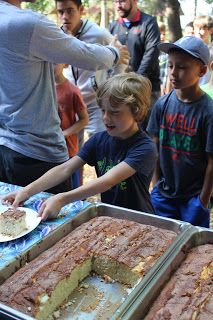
50,43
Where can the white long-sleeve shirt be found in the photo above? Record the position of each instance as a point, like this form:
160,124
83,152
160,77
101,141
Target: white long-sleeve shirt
29,44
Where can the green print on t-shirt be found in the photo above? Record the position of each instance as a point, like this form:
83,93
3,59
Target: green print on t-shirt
104,167
178,141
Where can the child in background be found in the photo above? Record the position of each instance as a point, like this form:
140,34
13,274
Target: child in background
73,114
203,28
162,28
189,29
181,123
124,156
208,87
163,61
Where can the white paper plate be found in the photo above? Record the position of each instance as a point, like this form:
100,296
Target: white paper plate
32,221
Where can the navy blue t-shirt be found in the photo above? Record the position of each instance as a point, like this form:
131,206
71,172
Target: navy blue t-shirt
139,151
185,132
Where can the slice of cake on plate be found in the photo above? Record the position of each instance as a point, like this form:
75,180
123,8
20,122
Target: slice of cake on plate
12,222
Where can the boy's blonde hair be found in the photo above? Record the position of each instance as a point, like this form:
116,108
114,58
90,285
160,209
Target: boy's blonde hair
130,89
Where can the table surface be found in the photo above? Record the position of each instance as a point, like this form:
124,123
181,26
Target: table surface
10,249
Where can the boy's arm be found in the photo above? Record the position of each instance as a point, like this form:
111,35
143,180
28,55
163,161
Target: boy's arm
207,188
50,179
52,206
82,121
157,167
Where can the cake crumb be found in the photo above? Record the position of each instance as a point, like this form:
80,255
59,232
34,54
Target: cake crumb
108,279
56,314
68,304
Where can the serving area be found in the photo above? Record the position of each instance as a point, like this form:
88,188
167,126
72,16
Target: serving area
98,298
15,253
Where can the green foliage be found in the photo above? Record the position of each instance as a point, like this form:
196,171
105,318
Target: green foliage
154,7
86,3
42,6
46,6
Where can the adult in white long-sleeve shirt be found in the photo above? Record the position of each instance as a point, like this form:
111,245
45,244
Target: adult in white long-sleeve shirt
70,16
31,141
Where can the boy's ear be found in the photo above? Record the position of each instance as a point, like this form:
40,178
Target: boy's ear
136,114
211,66
203,70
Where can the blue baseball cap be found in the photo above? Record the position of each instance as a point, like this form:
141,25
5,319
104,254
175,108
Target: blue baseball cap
190,44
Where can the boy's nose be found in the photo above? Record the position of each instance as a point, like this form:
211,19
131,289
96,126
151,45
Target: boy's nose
173,71
65,15
105,115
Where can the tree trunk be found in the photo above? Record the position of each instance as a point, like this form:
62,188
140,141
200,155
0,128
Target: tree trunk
195,11
104,17
173,18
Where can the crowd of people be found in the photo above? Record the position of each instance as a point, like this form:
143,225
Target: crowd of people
149,116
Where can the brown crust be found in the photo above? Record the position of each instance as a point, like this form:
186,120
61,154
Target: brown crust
126,241
13,213
188,294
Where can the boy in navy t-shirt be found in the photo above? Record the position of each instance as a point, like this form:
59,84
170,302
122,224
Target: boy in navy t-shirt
181,123
124,156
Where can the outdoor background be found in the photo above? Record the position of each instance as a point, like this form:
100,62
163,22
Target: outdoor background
175,14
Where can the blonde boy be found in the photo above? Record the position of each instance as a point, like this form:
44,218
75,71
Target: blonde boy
124,156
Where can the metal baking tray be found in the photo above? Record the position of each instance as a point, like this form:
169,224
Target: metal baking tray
138,308
32,252
112,294
7,313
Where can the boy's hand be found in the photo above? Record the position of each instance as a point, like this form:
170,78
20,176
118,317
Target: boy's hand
16,198
204,202
124,53
50,208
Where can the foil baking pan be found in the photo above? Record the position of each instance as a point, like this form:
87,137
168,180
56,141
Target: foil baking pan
137,308
94,298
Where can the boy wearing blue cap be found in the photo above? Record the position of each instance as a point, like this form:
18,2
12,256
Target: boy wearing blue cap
181,124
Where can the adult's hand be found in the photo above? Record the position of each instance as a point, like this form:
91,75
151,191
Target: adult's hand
123,51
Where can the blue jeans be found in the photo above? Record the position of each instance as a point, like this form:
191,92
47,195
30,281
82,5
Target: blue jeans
189,210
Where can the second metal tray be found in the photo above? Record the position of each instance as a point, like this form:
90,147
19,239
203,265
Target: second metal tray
138,308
